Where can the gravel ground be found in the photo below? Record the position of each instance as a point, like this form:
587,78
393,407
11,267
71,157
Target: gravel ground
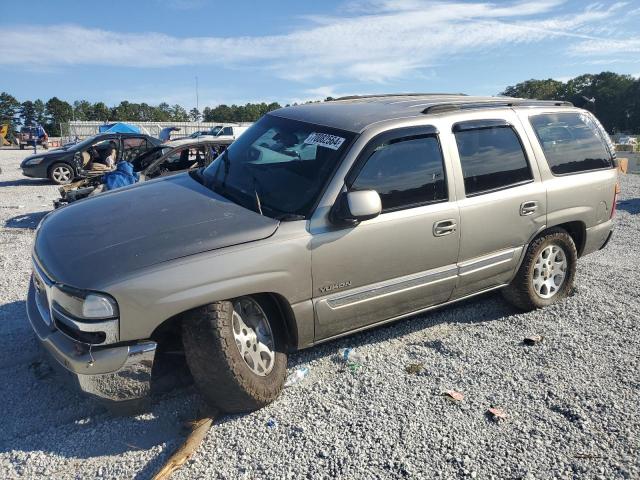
573,401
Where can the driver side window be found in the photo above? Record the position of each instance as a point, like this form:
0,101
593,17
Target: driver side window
406,172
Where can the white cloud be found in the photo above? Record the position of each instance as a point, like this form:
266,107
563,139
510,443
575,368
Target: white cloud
607,47
373,40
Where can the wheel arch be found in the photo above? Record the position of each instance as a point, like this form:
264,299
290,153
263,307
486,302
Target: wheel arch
169,329
577,230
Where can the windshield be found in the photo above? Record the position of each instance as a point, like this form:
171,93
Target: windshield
85,143
278,166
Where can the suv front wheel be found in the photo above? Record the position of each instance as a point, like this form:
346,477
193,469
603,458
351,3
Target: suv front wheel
236,352
547,271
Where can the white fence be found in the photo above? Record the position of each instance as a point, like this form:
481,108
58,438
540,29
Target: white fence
80,129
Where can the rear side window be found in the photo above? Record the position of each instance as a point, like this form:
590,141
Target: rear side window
572,142
406,172
491,159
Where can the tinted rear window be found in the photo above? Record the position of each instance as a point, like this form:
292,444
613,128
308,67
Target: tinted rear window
491,159
572,142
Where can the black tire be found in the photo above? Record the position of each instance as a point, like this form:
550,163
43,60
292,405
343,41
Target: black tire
56,173
521,292
21,146
218,369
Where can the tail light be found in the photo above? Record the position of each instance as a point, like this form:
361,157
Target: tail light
616,191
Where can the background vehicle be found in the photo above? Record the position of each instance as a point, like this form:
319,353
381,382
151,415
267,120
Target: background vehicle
159,161
319,221
27,136
4,134
221,133
62,165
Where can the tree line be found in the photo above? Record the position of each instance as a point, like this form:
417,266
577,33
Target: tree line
614,98
54,112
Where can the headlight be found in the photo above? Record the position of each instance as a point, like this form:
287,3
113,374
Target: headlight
85,305
34,161
97,306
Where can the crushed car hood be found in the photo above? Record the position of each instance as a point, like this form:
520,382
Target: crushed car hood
91,242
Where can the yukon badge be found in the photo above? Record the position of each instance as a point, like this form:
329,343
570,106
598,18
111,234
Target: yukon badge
335,286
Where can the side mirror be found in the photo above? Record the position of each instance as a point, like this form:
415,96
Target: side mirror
356,206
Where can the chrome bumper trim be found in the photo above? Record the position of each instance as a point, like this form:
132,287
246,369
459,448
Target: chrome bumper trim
132,381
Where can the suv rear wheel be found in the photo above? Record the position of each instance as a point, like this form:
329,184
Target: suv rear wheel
61,173
547,271
236,352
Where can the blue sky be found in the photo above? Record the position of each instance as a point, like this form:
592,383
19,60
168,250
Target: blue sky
286,51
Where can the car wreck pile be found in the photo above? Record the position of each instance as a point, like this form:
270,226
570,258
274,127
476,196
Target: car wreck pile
160,161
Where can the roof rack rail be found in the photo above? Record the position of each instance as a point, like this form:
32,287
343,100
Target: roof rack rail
447,107
383,95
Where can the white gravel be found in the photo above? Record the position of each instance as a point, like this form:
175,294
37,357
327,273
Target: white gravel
573,401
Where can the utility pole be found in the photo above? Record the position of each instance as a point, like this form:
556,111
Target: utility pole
197,99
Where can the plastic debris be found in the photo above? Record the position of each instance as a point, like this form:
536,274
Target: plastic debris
297,376
453,395
414,368
351,357
496,413
533,340
271,423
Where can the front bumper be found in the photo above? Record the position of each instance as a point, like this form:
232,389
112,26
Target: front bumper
115,375
35,171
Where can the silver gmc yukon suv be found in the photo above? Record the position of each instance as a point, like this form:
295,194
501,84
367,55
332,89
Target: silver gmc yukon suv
320,220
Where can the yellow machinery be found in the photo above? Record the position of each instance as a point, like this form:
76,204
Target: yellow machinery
4,131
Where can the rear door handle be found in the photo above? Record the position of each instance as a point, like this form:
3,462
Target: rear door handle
528,208
444,227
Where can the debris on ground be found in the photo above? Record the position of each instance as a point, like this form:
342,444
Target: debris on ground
296,377
351,357
199,430
496,413
414,368
533,340
272,423
453,395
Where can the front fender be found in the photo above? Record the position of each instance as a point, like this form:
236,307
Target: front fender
276,265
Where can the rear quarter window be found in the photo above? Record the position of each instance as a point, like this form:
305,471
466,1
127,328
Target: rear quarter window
572,142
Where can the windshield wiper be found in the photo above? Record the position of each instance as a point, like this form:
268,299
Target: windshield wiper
255,191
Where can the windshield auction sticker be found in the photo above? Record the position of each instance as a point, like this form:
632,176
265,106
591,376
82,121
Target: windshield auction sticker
324,140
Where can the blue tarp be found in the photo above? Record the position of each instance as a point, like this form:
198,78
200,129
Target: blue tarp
119,127
122,176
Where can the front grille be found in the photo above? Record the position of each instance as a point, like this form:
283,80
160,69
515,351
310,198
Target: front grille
42,301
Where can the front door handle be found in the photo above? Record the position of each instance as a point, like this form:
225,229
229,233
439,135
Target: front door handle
444,227
528,208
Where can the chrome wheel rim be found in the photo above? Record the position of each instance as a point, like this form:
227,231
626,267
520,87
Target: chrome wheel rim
253,336
61,174
549,271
